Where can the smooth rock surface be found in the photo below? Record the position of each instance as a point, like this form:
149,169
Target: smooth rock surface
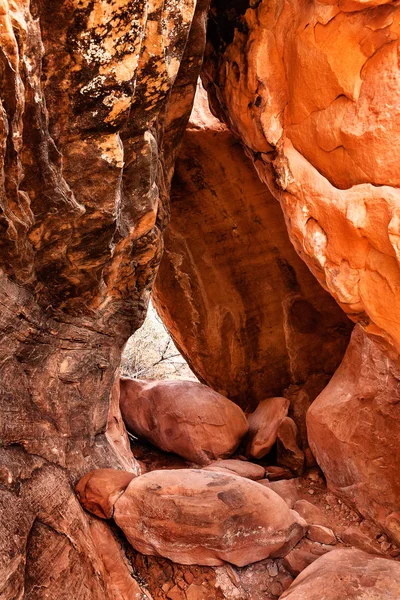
353,432
287,489
243,468
264,423
347,574
200,517
240,304
98,490
288,452
184,417
311,89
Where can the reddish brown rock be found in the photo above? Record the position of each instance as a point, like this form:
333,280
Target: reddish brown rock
353,431
354,536
321,534
322,126
98,490
243,468
94,100
311,513
350,574
184,417
264,423
287,489
238,301
119,579
201,517
274,473
287,447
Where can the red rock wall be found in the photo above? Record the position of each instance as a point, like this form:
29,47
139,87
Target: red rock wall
95,97
241,305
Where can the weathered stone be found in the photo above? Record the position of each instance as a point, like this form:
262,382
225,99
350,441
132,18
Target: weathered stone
287,489
311,513
288,452
243,468
94,99
98,490
264,423
321,124
184,417
353,432
350,574
239,303
200,517
321,534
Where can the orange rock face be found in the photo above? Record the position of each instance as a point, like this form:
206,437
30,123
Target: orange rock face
240,304
200,517
184,417
312,91
350,574
353,431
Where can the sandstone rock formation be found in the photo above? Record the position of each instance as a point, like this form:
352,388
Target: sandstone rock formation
353,431
264,423
312,91
184,417
243,468
95,97
350,574
287,446
204,518
100,489
239,303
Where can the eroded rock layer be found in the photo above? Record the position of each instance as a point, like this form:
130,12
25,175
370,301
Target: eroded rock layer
312,88
353,429
94,99
241,305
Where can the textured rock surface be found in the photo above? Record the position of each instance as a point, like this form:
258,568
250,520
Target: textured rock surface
200,517
243,468
353,431
264,423
99,490
184,417
240,304
350,574
94,99
287,446
312,90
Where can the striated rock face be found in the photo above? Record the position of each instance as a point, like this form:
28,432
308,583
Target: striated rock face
184,417
350,574
205,518
312,91
95,97
353,431
240,304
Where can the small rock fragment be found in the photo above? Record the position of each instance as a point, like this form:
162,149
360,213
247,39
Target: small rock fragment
263,425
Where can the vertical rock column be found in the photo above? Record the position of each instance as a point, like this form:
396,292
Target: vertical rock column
95,97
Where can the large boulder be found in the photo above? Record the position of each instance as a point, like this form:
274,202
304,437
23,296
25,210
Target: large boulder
353,429
184,417
240,304
199,517
347,574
